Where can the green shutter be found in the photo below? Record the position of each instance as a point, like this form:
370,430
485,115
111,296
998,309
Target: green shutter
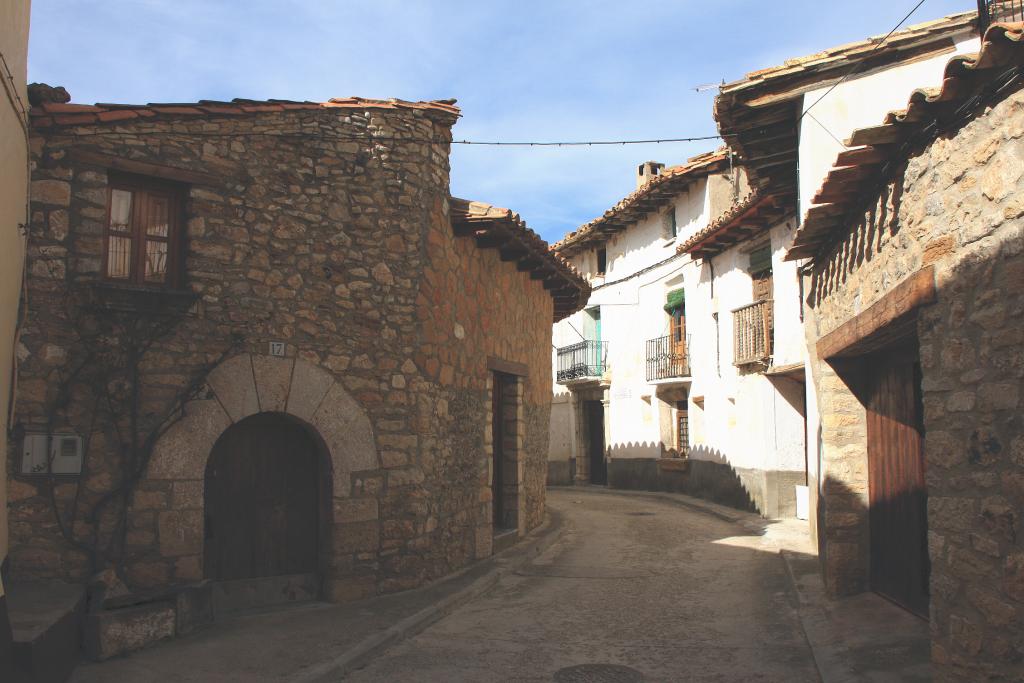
674,300
761,260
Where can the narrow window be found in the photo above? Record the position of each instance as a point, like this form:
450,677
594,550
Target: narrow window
602,261
718,347
682,429
142,234
668,224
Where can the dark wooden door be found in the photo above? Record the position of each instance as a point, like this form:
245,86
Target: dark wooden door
595,432
678,335
498,449
897,492
261,501
763,290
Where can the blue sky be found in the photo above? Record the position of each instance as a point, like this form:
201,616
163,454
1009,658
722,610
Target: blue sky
524,70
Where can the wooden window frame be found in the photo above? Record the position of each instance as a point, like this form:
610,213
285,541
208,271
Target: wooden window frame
145,187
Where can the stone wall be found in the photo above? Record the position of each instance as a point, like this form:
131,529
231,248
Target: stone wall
475,309
957,206
340,248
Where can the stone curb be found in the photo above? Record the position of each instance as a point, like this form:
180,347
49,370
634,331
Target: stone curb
509,560
814,622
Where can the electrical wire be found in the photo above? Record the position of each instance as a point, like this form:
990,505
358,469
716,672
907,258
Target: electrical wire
374,137
859,64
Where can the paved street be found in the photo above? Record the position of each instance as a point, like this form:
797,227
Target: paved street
672,593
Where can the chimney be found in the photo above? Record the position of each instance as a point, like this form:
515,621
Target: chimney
647,172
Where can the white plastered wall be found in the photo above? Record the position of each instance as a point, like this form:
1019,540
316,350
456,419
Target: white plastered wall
14,22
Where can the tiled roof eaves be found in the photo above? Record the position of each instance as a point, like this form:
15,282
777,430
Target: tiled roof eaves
758,114
56,114
495,227
845,55
860,170
749,215
650,197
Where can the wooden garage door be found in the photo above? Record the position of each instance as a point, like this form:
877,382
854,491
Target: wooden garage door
261,501
898,496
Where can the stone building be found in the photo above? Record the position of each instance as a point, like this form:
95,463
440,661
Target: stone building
914,248
266,348
14,21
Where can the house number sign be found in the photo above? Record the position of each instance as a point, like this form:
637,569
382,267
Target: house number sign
277,349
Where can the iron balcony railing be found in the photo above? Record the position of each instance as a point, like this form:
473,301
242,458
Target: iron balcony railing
992,11
582,360
666,359
752,333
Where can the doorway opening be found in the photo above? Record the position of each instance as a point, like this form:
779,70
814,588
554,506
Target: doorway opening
594,415
505,395
263,501
898,496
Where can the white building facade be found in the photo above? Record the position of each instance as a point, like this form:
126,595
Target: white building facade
789,124
684,370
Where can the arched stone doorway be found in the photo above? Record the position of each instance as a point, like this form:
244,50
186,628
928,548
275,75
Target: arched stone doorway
262,501
250,387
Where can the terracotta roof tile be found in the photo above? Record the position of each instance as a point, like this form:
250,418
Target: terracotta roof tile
746,217
653,195
49,114
500,228
850,52
859,172
758,114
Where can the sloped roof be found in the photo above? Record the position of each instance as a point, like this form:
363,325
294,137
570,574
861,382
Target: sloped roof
758,114
650,197
496,228
56,114
860,171
748,216
845,56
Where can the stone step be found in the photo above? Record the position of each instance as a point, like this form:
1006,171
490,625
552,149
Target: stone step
46,619
240,595
504,539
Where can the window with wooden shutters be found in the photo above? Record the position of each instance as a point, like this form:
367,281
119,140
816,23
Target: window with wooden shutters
143,233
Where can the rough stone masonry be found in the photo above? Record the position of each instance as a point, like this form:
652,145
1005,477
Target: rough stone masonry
956,207
323,226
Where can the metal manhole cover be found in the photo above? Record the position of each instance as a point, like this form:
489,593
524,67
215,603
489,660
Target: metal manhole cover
598,673
641,514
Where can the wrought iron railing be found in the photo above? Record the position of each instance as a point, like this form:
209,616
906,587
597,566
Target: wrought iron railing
666,359
581,360
752,333
992,11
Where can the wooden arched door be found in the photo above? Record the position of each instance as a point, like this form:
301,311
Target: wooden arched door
262,501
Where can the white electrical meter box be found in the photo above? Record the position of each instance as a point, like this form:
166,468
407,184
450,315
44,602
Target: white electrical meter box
64,455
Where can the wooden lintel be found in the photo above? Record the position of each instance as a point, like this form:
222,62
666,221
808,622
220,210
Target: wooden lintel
507,366
853,337
145,168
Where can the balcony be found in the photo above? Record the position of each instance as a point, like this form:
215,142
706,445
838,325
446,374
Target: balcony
992,11
752,333
666,359
586,360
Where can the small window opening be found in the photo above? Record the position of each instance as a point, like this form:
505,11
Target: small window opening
602,261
